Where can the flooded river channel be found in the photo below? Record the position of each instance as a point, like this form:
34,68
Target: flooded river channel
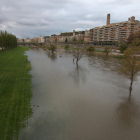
84,102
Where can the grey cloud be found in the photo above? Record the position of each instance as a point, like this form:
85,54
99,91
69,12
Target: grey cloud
33,22
10,26
27,22
30,18
116,2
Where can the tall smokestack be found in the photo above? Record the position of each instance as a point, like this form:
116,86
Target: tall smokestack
108,19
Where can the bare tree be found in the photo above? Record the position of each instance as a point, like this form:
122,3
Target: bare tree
130,66
78,51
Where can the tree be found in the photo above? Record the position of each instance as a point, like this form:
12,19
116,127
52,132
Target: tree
130,66
7,40
106,50
52,48
78,52
123,47
132,36
136,42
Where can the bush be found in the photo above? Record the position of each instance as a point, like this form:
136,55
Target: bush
66,46
90,49
123,47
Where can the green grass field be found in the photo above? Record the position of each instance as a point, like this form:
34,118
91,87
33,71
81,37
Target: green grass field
15,92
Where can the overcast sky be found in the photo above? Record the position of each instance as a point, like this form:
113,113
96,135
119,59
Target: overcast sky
32,18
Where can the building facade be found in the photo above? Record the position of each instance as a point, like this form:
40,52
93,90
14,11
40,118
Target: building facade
114,32
41,39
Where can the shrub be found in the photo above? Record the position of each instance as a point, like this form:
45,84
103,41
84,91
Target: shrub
66,46
90,49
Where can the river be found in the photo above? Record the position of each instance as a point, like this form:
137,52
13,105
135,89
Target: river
84,102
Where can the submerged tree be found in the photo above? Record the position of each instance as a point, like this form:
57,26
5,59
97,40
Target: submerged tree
130,66
107,50
78,52
52,48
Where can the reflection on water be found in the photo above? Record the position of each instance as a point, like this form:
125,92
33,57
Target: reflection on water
37,50
81,102
52,56
104,61
128,111
78,74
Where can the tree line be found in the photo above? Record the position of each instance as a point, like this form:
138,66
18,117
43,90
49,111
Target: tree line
7,40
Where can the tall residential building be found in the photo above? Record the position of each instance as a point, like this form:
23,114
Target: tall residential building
114,31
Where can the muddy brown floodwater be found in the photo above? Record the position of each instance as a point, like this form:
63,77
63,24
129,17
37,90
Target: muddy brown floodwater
88,102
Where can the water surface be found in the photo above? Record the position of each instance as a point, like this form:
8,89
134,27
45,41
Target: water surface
84,102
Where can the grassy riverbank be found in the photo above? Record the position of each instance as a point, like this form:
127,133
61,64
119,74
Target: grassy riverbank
15,92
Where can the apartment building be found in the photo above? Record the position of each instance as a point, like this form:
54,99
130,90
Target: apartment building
114,32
